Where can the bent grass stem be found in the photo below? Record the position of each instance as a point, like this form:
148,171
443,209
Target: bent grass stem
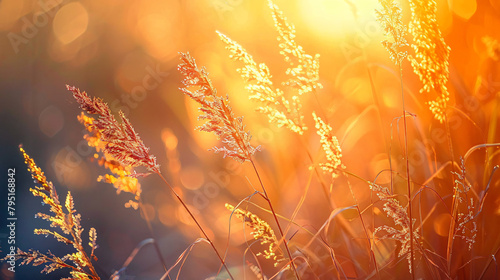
276,219
150,228
197,224
454,204
408,182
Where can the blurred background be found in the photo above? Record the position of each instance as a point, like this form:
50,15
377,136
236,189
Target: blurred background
127,52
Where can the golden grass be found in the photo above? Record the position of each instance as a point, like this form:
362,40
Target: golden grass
397,210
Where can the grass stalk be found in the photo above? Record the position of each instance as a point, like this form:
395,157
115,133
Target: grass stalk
492,129
294,269
197,224
454,204
408,181
372,254
150,229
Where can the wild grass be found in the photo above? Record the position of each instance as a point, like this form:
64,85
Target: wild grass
323,209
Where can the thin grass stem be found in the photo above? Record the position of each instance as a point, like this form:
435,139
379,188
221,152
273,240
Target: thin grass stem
150,229
454,204
276,219
197,224
408,180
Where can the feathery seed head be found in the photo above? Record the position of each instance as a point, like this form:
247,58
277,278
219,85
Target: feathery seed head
216,111
330,145
70,230
261,231
282,109
122,177
431,58
391,19
399,215
258,78
36,172
304,69
120,139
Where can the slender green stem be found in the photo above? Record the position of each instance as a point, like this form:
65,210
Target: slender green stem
197,223
277,221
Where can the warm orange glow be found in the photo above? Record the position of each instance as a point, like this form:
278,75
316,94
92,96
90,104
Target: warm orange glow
192,177
10,12
464,8
335,18
255,139
442,224
70,22
148,212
